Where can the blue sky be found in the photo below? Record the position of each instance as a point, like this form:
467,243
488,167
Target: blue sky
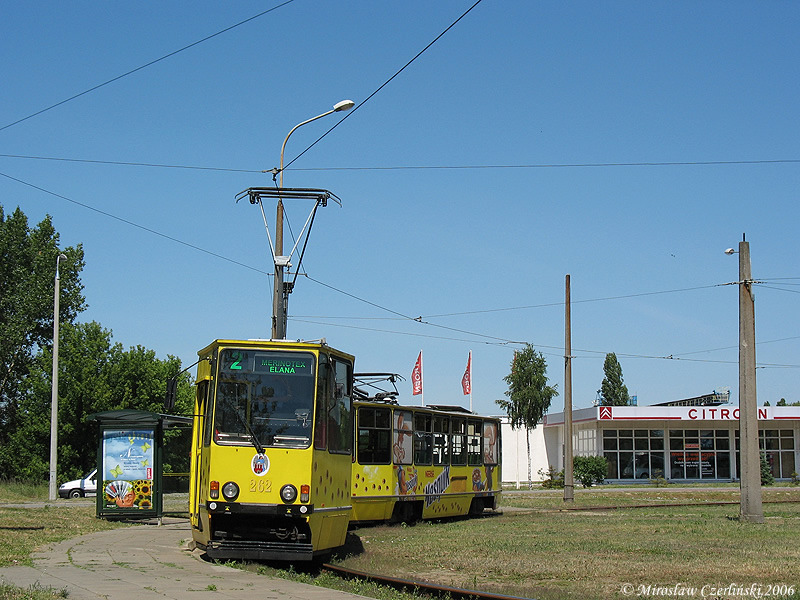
568,112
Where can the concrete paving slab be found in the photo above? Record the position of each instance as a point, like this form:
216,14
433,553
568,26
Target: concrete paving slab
150,562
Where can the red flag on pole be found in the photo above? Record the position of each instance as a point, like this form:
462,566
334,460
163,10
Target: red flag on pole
466,380
416,376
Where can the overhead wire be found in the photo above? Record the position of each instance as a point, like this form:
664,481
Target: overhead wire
411,167
384,84
133,224
483,338
128,163
149,64
420,319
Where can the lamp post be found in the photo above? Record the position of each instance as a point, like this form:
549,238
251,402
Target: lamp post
281,293
751,509
54,402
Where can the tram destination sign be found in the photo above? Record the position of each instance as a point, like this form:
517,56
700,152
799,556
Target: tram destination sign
286,364
274,363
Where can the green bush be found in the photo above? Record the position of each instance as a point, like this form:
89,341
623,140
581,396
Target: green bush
552,479
590,469
766,471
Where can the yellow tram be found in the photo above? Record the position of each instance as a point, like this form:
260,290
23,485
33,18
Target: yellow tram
272,447
416,463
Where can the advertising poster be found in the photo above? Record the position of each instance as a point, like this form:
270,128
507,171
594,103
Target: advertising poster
128,458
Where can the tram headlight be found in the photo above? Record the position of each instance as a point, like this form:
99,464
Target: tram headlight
288,493
231,491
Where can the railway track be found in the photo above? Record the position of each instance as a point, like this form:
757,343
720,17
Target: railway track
418,586
651,505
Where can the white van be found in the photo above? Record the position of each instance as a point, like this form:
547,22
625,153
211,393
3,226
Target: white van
80,487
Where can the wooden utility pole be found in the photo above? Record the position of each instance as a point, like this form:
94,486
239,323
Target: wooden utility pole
569,483
751,509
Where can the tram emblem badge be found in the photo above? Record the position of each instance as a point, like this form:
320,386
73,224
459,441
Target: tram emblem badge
260,465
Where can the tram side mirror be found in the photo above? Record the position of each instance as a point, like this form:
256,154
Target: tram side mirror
169,397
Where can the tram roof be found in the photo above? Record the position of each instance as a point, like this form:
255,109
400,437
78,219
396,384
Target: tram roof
273,345
442,408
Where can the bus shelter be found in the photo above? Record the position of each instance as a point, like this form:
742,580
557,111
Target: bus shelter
129,462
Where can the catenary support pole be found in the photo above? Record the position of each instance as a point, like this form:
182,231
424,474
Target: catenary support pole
569,483
751,509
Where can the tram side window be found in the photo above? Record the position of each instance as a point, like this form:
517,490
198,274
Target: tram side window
402,445
459,442
340,416
374,436
324,384
441,437
490,445
204,411
422,439
474,432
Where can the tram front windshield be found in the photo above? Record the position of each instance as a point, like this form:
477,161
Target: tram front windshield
268,394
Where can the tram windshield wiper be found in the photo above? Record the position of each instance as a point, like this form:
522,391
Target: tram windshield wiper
253,438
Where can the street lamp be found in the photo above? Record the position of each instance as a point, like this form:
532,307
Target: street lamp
54,402
751,509
280,298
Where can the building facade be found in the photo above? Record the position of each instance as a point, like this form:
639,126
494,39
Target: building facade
678,443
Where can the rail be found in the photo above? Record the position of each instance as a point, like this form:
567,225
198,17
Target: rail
419,586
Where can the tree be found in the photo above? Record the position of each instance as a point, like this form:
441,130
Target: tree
782,402
27,274
613,391
528,392
767,478
95,375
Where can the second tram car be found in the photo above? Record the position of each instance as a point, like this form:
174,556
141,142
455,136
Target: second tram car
414,463
272,446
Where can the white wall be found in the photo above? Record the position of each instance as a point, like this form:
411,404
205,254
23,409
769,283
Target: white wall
515,457
547,448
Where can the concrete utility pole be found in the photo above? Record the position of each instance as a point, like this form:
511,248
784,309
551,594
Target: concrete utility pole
569,480
751,509
54,396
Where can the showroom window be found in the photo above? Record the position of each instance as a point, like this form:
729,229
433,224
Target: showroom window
634,453
699,454
778,447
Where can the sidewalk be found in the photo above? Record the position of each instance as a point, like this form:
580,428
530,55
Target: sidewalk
149,562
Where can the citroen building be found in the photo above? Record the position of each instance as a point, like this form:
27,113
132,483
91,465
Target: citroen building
690,440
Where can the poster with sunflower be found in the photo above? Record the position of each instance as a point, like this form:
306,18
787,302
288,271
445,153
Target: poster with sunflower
128,458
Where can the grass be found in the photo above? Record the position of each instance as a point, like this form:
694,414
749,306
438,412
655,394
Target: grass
33,592
20,491
536,549
546,553
26,529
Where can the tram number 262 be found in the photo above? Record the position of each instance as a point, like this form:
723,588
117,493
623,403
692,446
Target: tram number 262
260,486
